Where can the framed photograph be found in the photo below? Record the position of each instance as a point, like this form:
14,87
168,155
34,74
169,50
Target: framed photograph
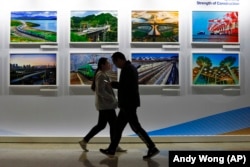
215,27
215,69
33,27
157,68
84,65
94,26
33,69
155,26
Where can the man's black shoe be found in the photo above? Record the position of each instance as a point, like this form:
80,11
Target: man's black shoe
151,152
107,152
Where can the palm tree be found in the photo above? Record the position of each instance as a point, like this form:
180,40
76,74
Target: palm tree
228,62
203,62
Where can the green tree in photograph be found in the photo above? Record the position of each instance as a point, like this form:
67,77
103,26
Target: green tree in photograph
203,62
78,24
228,62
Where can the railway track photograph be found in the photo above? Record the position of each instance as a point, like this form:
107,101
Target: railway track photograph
157,68
84,65
33,69
33,27
94,26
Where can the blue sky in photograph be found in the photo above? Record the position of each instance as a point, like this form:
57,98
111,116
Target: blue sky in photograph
87,13
200,19
16,14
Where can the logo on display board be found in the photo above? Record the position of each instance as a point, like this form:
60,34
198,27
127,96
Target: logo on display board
218,2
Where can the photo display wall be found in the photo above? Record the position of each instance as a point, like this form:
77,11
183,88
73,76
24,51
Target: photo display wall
102,26
147,26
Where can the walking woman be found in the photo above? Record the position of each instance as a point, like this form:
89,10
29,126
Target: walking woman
128,102
105,102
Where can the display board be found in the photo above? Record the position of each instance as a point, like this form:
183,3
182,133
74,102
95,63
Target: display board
146,29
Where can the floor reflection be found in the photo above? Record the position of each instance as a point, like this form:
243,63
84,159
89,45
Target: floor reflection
83,158
152,163
110,162
113,162
71,155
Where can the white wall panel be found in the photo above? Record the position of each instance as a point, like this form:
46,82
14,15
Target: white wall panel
70,112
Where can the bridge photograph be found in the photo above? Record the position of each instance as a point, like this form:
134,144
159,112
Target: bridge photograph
155,26
33,69
94,26
157,68
84,65
215,26
33,26
215,69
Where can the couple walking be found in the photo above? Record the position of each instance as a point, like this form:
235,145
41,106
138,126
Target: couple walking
128,101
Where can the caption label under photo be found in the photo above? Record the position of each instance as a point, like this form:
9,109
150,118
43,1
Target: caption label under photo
209,158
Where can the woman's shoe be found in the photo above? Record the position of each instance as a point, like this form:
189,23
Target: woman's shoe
83,145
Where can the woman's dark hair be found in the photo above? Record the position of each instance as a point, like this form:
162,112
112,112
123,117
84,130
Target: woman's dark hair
101,62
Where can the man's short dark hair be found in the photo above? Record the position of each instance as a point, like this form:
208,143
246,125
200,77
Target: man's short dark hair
118,55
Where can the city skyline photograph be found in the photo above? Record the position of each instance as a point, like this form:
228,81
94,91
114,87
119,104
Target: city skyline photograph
33,69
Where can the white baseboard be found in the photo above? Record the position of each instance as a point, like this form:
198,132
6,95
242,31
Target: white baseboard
166,139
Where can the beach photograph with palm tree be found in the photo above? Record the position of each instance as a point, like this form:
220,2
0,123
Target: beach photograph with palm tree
215,69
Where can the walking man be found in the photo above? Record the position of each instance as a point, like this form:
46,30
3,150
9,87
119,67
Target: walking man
128,101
